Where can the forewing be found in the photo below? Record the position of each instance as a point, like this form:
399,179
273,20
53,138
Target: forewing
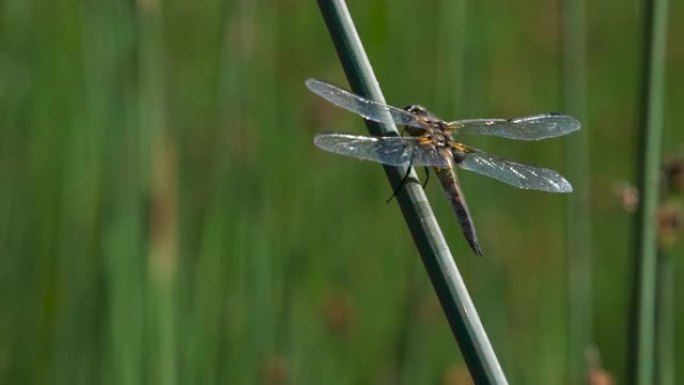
524,128
390,150
368,109
516,174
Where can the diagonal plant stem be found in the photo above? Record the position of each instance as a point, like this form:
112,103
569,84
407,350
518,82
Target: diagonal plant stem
446,279
642,328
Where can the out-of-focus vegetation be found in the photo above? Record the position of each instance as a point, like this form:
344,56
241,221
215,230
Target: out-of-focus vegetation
165,217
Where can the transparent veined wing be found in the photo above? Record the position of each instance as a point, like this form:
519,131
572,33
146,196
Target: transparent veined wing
367,109
524,128
390,150
516,174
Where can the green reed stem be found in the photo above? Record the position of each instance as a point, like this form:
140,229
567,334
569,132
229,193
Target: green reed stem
433,249
578,227
665,322
641,347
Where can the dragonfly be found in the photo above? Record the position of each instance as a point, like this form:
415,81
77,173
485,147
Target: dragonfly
432,142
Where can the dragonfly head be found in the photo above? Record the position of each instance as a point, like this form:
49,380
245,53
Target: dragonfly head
428,120
418,110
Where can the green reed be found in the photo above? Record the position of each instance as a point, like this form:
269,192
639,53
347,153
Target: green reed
578,227
641,352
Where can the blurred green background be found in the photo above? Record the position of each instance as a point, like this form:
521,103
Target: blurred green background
165,217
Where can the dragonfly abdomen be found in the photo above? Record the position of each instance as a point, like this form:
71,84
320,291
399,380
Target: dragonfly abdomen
447,178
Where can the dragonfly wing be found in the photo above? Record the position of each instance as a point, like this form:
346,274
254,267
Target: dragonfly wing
524,128
367,109
516,174
390,150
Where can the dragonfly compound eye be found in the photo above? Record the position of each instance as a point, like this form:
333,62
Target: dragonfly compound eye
417,110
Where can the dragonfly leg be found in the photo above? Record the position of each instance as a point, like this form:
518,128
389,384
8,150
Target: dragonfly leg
427,177
403,180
